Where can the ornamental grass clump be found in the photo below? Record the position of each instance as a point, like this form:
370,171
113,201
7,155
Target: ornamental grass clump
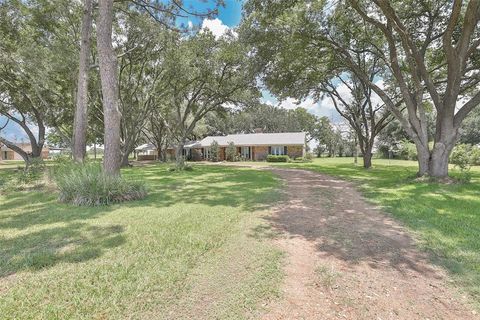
88,185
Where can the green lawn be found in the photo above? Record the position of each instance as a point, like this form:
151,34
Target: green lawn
444,218
188,250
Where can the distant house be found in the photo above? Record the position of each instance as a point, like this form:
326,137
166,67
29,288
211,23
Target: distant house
250,146
8,154
148,151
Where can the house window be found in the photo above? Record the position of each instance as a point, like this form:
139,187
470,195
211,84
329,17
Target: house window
277,150
207,153
5,155
245,152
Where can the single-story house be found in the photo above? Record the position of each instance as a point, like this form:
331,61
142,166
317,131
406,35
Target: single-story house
8,154
250,146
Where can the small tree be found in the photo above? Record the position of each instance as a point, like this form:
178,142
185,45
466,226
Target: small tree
230,152
214,151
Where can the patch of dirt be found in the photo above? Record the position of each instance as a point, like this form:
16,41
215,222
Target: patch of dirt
348,260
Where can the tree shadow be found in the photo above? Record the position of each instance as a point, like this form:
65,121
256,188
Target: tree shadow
331,213
40,232
21,210
209,185
75,242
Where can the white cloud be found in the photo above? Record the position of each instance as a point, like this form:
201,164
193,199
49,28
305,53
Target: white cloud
216,26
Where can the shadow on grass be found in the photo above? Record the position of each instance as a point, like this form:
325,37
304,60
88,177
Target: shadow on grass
33,239
208,185
444,217
75,242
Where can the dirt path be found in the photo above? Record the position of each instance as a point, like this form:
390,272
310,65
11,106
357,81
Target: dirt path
347,260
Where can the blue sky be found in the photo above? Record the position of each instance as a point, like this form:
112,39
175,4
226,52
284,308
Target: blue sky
230,15
12,132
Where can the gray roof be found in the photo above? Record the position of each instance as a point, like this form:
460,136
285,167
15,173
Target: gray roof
145,147
192,144
257,139
150,147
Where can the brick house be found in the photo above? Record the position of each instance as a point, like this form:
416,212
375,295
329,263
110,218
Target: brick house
8,154
256,146
250,146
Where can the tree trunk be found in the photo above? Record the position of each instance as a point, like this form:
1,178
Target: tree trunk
80,121
108,75
179,160
355,152
125,162
159,153
423,156
367,158
438,165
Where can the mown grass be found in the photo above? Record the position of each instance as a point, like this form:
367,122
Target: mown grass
185,250
445,217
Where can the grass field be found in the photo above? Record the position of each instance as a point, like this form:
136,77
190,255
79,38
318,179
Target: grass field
445,218
188,250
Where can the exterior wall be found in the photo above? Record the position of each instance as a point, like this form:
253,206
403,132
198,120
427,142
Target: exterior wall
221,154
7,155
260,152
146,157
295,151
12,155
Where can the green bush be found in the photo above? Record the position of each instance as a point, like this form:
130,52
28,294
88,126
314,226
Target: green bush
231,152
88,185
475,156
281,158
33,172
32,177
460,156
407,151
301,159
214,151
61,159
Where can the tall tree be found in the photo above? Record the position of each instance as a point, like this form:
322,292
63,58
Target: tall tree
164,12
141,77
429,50
292,67
204,74
109,80
81,109
365,116
37,41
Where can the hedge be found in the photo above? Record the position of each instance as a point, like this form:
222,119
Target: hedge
281,158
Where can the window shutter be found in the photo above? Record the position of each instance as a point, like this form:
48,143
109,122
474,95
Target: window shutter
269,150
285,150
